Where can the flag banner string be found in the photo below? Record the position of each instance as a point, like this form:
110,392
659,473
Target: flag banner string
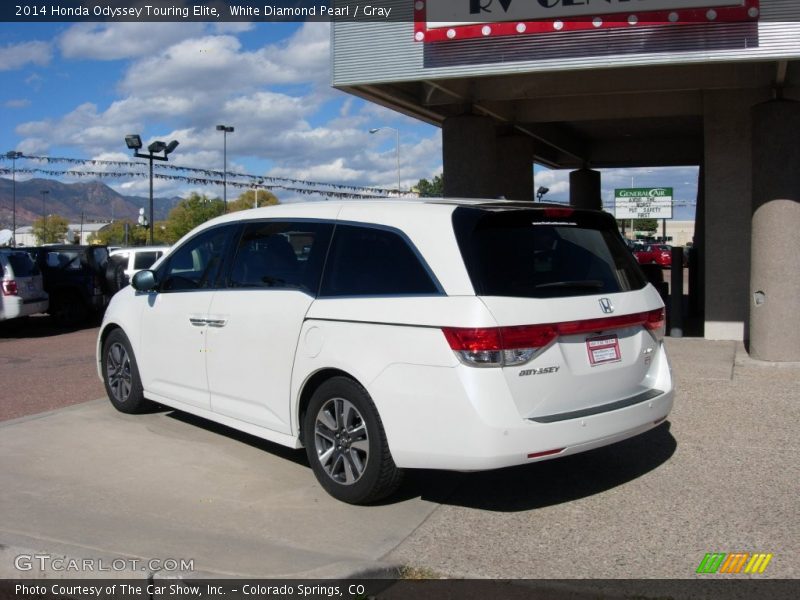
210,173
202,181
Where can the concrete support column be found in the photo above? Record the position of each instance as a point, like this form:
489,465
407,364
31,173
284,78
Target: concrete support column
515,167
584,189
727,203
775,274
469,153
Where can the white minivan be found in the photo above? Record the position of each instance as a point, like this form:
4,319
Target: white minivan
389,335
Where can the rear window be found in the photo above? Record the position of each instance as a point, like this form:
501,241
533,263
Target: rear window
22,264
536,254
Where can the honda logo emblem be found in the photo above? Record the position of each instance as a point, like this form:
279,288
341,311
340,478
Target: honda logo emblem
606,305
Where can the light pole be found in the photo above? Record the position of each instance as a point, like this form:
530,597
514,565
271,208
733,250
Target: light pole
225,129
13,155
44,217
134,142
397,150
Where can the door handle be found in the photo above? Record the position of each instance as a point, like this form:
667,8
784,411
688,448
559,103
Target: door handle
216,322
198,322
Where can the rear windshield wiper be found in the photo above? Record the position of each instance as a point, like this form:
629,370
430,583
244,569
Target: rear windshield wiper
585,284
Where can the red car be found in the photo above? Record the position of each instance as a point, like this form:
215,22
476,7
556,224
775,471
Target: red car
659,254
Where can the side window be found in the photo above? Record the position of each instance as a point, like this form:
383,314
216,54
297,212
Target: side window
196,264
145,260
281,255
367,261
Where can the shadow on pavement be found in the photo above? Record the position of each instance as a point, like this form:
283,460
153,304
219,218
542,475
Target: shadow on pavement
42,326
513,489
295,456
545,483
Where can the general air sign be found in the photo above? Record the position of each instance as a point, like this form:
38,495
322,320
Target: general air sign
643,203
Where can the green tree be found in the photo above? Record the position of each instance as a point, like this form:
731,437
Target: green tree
431,189
248,200
647,225
114,234
52,230
188,214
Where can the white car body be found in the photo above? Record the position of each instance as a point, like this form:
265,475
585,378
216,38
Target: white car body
246,357
22,292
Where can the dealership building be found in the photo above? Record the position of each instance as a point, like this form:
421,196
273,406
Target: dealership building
591,84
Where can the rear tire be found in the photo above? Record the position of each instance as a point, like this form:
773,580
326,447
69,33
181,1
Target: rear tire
346,444
121,374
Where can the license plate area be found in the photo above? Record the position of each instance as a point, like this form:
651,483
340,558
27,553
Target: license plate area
603,349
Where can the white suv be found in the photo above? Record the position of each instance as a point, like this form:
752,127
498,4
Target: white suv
384,335
139,258
22,291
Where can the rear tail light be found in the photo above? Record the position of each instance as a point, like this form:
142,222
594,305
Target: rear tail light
498,346
656,323
10,288
510,346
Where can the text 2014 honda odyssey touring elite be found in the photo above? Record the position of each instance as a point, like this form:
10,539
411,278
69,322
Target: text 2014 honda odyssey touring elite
385,335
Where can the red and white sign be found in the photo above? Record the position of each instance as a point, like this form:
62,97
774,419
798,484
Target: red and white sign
442,20
603,349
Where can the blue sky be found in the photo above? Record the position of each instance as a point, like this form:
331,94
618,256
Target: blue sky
75,90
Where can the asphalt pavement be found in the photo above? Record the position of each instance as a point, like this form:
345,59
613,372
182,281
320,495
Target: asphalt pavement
721,475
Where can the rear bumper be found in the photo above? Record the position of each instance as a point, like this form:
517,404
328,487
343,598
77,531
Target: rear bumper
433,421
14,306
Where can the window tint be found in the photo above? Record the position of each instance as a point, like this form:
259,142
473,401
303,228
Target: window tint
145,260
196,264
526,253
22,264
367,261
283,255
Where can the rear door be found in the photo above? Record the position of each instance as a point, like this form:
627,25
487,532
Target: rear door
566,290
255,321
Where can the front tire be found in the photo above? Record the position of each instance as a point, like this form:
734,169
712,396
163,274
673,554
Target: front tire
346,444
121,374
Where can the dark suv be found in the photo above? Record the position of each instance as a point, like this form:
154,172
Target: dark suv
76,279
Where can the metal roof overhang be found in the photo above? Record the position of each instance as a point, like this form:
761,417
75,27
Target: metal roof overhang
614,117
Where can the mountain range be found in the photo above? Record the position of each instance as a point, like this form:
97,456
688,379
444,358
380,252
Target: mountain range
97,202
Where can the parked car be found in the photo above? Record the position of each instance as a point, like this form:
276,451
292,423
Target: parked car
76,279
387,335
137,258
22,288
659,254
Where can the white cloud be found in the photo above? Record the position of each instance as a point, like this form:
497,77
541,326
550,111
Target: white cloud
17,103
277,97
114,41
217,64
16,56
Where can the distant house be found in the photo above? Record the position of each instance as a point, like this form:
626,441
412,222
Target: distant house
77,233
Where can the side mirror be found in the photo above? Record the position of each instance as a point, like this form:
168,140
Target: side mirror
144,281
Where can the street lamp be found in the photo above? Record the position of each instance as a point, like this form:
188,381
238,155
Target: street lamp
13,155
225,129
397,149
44,216
134,142
541,192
